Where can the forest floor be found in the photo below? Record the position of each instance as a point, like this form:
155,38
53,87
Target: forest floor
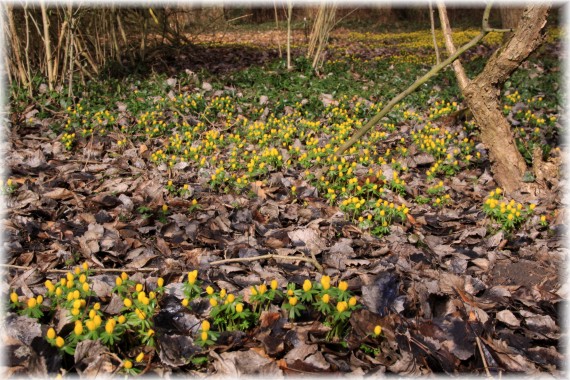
139,208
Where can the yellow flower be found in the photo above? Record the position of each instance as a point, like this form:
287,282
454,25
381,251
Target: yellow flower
307,285
164,208
204,335
532,206
293,301
32,302
274,284
96,306
210,290
122,319
326,282
49,286
342,286
262,289
185,302
139,357
231,298
91,326
543,218
118,281
97,320
78,329
110,326
128,364
124,276
326,298
77,304
50,333
192,277
14,297
223,293
85,287
377,330
160,282
352,302
59,342
205,325
239,308
341,306
127,302
139,287
213,302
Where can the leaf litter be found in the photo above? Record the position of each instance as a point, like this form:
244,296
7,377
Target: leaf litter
450,295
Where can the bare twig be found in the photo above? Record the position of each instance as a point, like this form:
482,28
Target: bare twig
271,256
94,270
483,357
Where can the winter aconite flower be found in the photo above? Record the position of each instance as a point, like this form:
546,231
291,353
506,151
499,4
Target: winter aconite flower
377,330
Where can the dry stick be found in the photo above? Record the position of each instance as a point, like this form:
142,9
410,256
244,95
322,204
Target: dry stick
47,45
483,357
94,270
289,14
431,19
271,256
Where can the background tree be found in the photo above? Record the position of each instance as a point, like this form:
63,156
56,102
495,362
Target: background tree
482,92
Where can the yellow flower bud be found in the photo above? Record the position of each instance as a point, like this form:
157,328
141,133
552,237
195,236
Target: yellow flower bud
32,302
253,291
239,308
97,320
122,319
78,329
209,290
352,301
307,285
164,208
85,287
377,330
192,277
82,278
262,289
127,302
49,286
140,357
50,333
213,302
124,276
118,281
223,293
85,266
160,282
91,326
325,298
59,342
69,276
204,335
293,301
231,298
128,364
326,282
342,286
76,304
185,302
274,284
14,297
110,326
341,306
205,325
139,287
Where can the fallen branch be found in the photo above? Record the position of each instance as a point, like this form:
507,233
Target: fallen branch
270,256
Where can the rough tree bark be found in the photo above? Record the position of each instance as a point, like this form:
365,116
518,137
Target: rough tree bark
482,93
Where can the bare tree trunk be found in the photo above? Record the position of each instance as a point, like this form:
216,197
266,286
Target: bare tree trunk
510,17
482,93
